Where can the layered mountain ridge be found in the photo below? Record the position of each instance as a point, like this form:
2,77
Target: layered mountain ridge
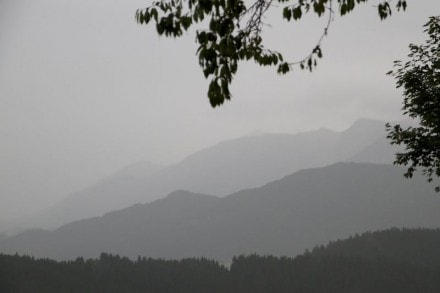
222,169
283,217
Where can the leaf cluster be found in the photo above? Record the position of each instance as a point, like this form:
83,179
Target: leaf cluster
232,33
419,78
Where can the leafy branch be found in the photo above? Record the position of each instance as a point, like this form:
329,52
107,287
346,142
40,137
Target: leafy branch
232,33
420,79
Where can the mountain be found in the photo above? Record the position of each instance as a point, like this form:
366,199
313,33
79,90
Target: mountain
358,137
283,217
222,169
83,204
380,151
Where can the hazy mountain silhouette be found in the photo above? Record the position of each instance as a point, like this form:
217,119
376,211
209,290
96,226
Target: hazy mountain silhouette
84,204
360,136
283,217
219,170
380,152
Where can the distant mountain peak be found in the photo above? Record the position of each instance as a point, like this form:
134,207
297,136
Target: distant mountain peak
179,194
367,123
184,198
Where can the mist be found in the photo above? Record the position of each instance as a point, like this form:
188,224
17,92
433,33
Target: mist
85,91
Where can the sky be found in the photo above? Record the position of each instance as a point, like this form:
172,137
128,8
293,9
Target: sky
85,91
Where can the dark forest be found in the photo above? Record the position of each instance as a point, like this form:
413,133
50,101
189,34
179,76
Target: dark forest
387,261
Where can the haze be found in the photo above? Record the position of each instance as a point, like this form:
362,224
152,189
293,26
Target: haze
84,90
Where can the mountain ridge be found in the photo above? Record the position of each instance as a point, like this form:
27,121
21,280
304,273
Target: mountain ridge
283,217
221,169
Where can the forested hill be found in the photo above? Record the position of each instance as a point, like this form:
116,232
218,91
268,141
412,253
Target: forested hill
403,261
417,246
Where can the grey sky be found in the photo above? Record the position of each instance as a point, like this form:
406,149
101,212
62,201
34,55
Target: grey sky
85,91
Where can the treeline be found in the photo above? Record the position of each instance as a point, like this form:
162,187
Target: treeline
388,261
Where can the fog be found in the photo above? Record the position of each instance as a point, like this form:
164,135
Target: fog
85,91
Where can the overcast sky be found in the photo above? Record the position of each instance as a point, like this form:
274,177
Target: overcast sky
84,90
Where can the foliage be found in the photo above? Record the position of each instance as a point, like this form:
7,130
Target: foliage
420,79
234,32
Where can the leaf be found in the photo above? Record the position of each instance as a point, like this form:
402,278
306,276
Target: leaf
186,22
215,94
343,9
297,13
283,68
154,13
287,13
